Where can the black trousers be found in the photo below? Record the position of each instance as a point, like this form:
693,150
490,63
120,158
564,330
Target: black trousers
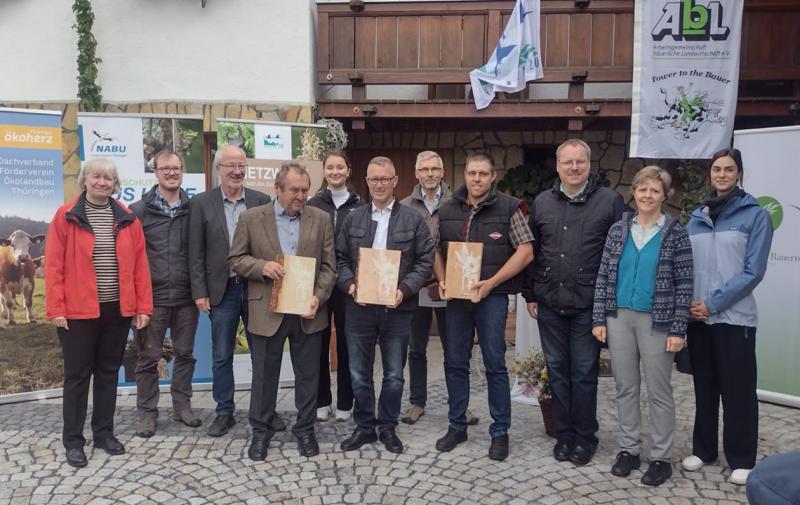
92,347
267,353
344,386
724,366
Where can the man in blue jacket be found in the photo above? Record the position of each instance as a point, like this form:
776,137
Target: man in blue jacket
570,223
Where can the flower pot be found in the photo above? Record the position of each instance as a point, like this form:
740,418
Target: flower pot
546,405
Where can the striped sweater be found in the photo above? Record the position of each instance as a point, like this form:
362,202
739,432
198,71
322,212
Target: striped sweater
673,282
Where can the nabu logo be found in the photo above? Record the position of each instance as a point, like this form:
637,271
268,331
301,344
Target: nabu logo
686,21
105,143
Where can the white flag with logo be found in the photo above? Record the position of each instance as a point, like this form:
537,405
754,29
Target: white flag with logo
516,60
685,77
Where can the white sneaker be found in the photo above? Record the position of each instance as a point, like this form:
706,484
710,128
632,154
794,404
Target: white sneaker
323,413
739,476
342,415
692,463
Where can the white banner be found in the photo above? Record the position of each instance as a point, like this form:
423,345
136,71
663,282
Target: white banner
772,174
132,140
516,60
685,77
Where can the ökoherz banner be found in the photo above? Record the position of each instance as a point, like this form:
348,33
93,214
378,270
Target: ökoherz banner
772,175
685,77
31,190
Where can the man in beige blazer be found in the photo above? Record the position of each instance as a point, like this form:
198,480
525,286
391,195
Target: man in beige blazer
286,227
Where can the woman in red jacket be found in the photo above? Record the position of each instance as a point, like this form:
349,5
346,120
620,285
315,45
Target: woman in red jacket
97,284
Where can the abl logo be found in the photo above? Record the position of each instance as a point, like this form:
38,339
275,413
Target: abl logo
686,21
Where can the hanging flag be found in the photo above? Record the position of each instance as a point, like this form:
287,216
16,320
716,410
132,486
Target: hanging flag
685,77
516,60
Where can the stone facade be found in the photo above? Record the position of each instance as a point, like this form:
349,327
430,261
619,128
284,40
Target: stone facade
209,111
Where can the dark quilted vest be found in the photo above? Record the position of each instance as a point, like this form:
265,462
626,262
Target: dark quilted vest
493,219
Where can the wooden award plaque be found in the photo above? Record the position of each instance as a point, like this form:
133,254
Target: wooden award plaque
377,274
463,269
291,294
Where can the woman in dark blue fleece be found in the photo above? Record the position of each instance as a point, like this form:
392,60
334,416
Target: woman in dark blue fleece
641,308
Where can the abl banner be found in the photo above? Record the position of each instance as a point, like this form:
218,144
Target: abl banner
772,175
685,77
516,59
31,190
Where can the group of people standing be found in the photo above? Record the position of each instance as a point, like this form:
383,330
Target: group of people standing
598,276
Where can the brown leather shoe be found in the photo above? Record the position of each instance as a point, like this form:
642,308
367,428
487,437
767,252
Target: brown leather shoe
412,414
472,419
186,416
146,426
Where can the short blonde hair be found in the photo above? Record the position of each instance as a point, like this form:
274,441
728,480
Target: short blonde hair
653,172
99,165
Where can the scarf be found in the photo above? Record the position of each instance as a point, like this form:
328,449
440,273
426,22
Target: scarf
716,203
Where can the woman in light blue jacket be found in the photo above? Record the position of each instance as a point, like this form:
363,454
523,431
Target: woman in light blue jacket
731,237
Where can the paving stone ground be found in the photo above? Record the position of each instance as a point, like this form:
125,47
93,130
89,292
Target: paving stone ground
181,465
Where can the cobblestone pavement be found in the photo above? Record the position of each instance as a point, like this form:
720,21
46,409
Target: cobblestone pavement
182,465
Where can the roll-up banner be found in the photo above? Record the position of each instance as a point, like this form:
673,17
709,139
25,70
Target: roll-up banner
131,141
31,190
685,77
267,144
772,175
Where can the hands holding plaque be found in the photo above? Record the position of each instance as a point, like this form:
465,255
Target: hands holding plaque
463,272
293,291
376,277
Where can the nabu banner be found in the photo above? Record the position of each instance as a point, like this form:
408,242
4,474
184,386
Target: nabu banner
685,77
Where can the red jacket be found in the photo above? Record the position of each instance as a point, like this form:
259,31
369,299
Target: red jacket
70,279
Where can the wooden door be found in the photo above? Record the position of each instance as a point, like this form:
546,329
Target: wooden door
404,160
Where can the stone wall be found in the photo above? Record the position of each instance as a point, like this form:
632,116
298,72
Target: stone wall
209,111
609,151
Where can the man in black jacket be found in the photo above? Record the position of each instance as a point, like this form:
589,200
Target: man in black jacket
570,223
383,224
216,289
164,213
478,213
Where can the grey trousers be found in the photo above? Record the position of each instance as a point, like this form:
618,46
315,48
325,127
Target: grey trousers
631,339
182,323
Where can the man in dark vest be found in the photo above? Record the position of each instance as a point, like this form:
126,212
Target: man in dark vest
478,213
570,223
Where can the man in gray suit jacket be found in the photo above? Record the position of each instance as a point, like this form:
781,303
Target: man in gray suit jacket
216,290
290,228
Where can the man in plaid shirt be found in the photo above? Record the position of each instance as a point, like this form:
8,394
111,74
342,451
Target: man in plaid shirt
478,213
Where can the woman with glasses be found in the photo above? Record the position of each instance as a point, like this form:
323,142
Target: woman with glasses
641,308
731,237
337,197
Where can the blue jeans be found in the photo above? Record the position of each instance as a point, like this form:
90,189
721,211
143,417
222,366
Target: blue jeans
224,323
572,354
389,328
489,318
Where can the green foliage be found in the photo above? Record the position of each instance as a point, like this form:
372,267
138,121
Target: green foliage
238,134
527,181
693,186
89,92
531,372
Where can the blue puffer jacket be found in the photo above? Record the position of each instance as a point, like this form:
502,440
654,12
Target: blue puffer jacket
730,259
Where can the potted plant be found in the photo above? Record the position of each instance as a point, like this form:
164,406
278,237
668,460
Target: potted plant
532,376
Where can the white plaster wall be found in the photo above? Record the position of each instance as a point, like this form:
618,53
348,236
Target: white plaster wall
157,50
38,51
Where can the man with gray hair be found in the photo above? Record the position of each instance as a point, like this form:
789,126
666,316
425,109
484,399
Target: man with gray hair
285,227
570,223
216,289
426,197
